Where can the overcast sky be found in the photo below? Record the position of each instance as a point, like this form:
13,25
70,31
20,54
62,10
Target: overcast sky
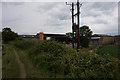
55,17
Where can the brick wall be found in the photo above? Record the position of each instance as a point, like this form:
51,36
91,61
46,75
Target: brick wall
41,36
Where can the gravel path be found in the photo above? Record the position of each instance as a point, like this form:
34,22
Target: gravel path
21,65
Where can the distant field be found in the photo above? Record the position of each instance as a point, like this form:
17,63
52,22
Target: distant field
113,50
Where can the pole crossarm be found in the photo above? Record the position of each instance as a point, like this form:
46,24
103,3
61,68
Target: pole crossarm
76,14
68,4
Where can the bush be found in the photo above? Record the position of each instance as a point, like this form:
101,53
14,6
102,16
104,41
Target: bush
90,66
55,58
51,47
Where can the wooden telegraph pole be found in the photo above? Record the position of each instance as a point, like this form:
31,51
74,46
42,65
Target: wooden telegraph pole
78,19
73,25
76,26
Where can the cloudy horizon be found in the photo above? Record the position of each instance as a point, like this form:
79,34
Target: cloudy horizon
55,17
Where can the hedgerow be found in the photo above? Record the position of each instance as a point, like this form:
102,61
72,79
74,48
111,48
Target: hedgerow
57,59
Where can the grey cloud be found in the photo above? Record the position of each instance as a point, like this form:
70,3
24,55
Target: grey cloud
53,24
91,8
54,10
17,3
104,5
55,13
64,17
8,21
5,4
99,21
89,14
61,15
45,6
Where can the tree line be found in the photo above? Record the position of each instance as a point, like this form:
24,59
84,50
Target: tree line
8,35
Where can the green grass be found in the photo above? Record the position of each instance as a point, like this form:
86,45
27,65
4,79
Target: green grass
92,47
30,68
112,50
10,68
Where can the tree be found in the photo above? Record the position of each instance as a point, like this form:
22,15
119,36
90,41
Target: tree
69,35
85,36
8,35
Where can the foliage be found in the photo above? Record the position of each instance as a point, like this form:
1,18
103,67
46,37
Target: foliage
24,44
85,36
84,41
55,59
10,68
85,31
109,49
69,35
8,35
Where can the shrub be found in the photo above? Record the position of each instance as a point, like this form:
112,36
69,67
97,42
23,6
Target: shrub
51,47
55,58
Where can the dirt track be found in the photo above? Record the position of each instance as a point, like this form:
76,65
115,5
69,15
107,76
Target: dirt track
21,66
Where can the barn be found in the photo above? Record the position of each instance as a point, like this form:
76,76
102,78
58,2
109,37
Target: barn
102,40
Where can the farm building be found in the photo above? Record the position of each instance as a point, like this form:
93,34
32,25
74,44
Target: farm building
29,36
102,40
42,36
117,40
57,37
96,39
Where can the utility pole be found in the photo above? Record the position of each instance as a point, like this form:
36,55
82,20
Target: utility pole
73,25
73,38
78,24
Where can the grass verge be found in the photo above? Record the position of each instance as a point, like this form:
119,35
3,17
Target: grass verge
10,68
112,50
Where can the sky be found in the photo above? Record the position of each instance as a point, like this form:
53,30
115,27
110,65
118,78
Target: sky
55,17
